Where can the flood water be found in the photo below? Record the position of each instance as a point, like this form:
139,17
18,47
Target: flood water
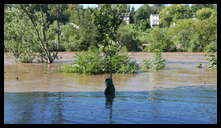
179,94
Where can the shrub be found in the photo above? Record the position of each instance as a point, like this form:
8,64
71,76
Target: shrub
130,67
92,62
213,61
156,63
122,64
89,63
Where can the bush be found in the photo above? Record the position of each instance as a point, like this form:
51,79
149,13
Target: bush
156,63
91,62
121,63
130,67
213,61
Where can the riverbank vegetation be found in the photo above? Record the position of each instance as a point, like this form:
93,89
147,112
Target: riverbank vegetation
155,63
40,31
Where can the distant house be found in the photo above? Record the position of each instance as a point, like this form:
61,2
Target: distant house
154,20
126,17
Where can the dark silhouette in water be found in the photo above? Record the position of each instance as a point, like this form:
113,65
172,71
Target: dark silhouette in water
109,95
109,90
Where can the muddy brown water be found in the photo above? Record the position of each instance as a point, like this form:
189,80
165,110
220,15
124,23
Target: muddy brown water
180,94
180,71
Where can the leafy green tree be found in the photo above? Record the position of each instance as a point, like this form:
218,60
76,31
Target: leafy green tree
70,38
107,20
155,9
171,14
132,13
142,16
86,30
195,34
142,13
204,13
41,27
158,40
19,37
182,34
196,7
127,36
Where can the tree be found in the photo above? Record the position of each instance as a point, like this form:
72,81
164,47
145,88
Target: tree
196,7
132,13
107,20
142,16
19,36
204,13
195,35
127,36
86,30
171,14
81,32
183,34
43,31
155,9
158,40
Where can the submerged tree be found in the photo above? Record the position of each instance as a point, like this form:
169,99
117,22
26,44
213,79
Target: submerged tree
107,19
44,31
34,30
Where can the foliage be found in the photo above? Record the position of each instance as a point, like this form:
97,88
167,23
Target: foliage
121,63
213,61
130,67
18,36
155,63
156,8
92,62
158,40
127,36
70,38
196,7
85,31
143,13
182,35
39,31
89,63
171,14
40,35
204,13
107,20
194,34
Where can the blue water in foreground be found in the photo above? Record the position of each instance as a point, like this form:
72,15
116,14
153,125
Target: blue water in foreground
181,105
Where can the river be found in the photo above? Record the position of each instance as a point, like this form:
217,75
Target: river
181,93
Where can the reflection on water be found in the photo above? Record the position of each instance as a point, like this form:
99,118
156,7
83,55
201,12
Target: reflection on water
108,104
192,104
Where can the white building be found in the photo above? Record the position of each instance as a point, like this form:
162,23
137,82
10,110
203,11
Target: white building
154,20
126,18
